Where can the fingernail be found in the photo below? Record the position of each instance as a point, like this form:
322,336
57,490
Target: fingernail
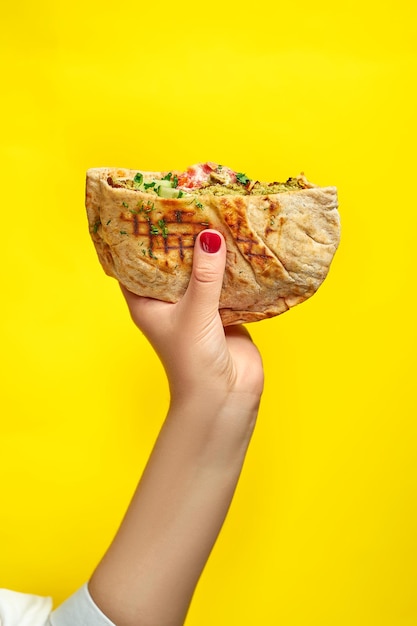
210,242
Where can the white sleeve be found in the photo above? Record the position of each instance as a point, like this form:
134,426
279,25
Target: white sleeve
79,609
23,609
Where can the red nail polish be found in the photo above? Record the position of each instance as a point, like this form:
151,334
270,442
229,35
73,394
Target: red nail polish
210,242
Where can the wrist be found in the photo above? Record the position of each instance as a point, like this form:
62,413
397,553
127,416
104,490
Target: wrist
219,409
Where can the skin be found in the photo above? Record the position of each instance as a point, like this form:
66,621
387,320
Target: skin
150,571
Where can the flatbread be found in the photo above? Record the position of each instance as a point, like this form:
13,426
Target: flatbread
279,246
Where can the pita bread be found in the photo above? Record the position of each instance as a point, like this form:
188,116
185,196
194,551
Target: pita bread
279,246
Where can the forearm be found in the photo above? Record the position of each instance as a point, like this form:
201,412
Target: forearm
150,571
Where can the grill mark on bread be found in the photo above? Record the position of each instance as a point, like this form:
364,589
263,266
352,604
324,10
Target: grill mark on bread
251,245
275,223
181,230
135,224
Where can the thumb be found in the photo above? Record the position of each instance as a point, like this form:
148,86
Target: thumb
209,260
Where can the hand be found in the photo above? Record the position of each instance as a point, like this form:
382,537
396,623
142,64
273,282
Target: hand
198,354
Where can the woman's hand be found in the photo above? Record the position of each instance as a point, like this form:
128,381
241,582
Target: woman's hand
150,571
198,354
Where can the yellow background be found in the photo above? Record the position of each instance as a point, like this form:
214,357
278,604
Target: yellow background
322,531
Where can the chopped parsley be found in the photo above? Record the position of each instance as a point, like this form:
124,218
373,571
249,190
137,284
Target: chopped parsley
96,225
149,185
108,222
138,179
199,205
242,178
168,176
151,254
154,230
163,227
123,232
175,181
125,204
150,206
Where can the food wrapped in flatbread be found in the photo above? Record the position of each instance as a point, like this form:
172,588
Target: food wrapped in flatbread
280,237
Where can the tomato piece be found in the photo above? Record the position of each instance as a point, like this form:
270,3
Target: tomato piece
197,175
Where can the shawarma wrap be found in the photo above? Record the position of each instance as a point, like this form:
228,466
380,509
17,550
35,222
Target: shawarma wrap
280,237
